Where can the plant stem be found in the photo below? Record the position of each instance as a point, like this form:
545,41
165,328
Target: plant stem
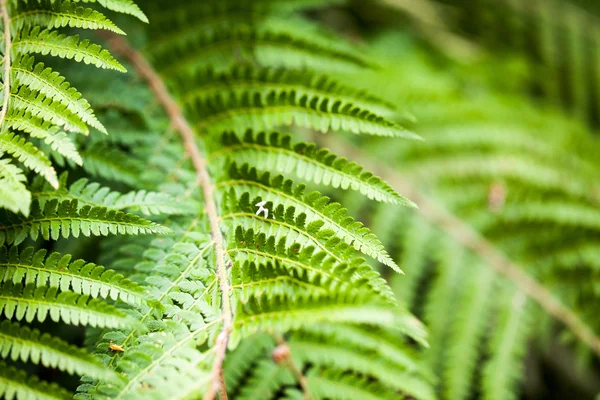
158,87
7,61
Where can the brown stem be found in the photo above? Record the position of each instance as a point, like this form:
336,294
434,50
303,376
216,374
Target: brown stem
471,239
143,67
7,61
289,363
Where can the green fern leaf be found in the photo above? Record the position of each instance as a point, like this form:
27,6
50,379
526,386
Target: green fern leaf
20,385
44,80
30,303
313,205
59,271
67,219
60,45
14,196
59,14
20,343
29,155
121,6
275,152
23,100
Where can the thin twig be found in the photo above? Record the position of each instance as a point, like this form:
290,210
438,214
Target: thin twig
471,239
285,357
6,61
143,67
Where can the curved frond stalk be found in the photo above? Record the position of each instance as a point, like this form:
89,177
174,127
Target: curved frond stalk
67,219
30,303
60,14
275,152
8,43
17,384
60,45
25,344
59,271
200,165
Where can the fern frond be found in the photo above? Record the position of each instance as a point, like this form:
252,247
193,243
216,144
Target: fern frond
14,195
95,195
324,268
265,380
204,85
60,45
506,349
346,386
59,14
17,384
67,219
267,110
38,128
29,303
275,152
29,155
121,6
59,271
38,77
25,101
313,205
249,43
322,354
25,344
279,315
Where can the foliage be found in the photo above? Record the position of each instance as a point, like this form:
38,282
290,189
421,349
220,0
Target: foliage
267,229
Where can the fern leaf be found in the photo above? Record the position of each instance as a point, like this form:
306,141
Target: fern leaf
59,14
59,271
260,111
316,208
220,47
67,219
122,6
29,155
20,343
14,196
324,354
31,303
44,80
265,379
38,128
279,315
276,152
60,45
345,386
16,384
507,348
95,195
204,85
342,276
